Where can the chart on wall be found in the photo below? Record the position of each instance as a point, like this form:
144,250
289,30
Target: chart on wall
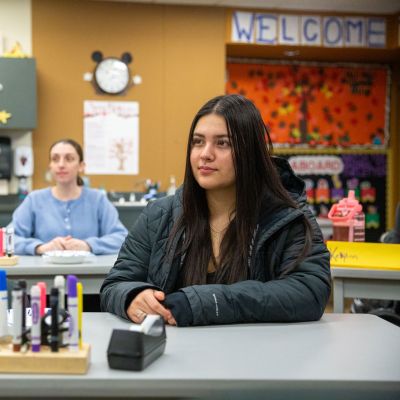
317,105
328,178
111,137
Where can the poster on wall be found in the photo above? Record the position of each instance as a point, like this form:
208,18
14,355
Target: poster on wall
111,137
328,178
317,105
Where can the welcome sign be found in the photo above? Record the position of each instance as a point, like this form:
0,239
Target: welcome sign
308,30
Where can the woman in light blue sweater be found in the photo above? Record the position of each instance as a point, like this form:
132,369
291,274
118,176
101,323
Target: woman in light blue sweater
67,216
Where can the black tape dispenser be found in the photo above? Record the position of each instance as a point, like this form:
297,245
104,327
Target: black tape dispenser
136,348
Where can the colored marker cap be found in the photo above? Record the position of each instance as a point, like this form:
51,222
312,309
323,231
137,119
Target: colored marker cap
35,291
59,281
72,281
3,280
22,284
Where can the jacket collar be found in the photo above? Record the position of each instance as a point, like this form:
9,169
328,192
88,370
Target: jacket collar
292,183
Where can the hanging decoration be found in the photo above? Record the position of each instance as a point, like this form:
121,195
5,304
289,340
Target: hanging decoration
4,117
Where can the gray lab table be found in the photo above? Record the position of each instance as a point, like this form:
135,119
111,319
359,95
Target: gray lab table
34,268
364,283
342,356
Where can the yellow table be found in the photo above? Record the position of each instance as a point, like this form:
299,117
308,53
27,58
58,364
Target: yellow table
367,270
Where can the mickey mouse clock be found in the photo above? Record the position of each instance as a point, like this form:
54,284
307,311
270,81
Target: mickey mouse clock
111,75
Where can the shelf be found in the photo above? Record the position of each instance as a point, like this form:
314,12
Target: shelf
325,150
307,53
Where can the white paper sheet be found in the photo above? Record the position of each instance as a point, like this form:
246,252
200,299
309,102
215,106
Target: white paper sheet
111,137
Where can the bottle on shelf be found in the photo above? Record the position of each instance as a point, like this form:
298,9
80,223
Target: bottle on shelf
172,186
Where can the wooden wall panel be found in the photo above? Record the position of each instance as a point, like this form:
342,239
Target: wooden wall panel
179,52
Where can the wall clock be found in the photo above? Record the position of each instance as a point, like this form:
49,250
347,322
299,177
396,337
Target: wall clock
111,75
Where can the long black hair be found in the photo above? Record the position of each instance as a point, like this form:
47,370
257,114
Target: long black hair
78,149
256,178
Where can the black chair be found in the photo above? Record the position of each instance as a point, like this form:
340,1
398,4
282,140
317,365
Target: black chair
389,310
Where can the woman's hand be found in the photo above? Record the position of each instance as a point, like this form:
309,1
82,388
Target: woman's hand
75,244
63,243
56,244
148,302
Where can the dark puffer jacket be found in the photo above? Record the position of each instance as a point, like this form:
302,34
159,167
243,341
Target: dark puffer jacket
301,295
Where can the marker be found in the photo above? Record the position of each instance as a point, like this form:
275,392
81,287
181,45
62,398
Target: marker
17,294
36,321
3,304
80,309
42,287
22,285
10,241
2,242
54,320
3,235
59,283
72,301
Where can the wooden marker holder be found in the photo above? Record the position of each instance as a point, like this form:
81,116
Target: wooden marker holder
45,361
6,261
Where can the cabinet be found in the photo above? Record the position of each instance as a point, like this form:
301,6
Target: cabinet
18,92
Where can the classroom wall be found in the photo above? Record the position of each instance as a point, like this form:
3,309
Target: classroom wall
389,56
178,51
394,147
15,26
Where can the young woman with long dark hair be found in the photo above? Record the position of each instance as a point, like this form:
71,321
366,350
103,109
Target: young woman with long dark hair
67,216
237,243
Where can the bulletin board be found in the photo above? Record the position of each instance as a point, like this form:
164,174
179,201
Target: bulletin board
317,105
329,177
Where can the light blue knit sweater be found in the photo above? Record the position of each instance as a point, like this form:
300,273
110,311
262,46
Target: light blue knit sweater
91,217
